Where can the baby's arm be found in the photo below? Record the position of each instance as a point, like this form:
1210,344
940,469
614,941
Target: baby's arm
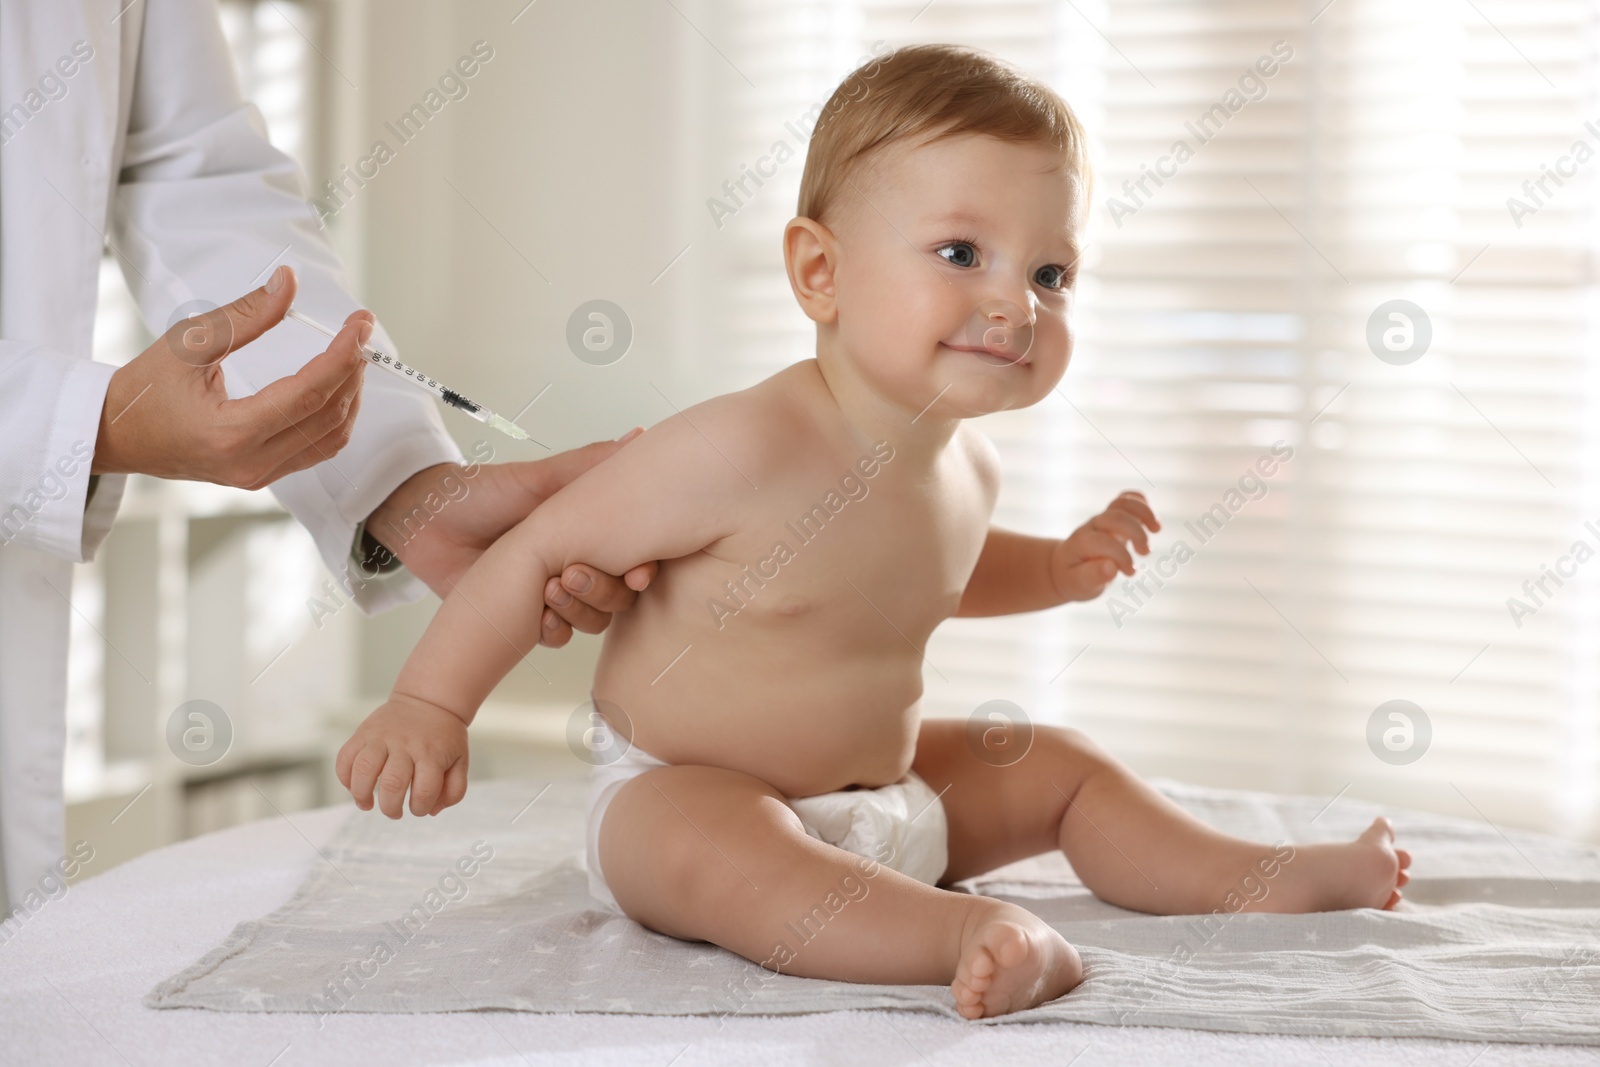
666,494
1018,573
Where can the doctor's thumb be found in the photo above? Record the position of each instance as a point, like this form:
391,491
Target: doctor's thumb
203,339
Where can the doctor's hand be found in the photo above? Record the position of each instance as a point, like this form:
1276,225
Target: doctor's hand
473,507
167,413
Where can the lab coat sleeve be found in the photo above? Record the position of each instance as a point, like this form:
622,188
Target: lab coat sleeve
50,406
205,209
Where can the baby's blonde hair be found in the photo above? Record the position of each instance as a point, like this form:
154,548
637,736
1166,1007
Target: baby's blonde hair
925,93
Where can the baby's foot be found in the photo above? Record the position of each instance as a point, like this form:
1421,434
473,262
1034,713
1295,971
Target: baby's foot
1365,873
1011,960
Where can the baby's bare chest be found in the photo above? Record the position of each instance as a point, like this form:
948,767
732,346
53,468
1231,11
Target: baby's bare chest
838,559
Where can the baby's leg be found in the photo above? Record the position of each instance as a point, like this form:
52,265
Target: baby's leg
706,854
1129,844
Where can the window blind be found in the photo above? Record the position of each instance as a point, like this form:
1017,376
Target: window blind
1336,158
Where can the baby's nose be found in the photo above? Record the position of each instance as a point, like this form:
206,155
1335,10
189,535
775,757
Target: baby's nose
1001,326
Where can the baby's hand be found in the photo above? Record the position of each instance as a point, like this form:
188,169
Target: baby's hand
1084,564
406,743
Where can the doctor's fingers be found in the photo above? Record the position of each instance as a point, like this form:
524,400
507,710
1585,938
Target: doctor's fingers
554,631
314,440
298,396
304,443
602,591
393,783
589,613
203,339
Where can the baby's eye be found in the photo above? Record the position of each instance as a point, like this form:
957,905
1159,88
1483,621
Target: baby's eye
1052,277
962,253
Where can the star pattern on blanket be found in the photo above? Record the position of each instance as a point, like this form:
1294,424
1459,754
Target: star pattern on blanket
530,939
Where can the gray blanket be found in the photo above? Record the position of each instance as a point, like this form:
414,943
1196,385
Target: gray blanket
485,906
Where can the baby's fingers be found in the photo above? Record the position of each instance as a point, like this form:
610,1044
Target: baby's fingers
455,786
1123,526
1088,579
426,784
365,766
341,763
393,783
1134,502
1092,543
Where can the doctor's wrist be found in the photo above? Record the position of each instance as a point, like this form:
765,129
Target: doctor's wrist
394,523
371,557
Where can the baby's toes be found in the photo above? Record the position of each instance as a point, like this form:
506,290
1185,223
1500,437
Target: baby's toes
976,971
1013,948
969,1002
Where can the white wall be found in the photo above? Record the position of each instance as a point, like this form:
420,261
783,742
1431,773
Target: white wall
567,158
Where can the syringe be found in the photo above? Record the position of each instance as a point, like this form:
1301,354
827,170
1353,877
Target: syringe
422,381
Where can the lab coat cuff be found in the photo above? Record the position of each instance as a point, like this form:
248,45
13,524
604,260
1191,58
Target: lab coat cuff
71,526
376,593
101,511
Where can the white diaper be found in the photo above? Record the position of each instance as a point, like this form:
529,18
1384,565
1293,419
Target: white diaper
901,825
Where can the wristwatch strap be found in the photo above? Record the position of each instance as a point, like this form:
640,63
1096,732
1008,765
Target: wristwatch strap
371,557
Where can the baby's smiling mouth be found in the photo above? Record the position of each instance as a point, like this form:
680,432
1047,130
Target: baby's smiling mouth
995,357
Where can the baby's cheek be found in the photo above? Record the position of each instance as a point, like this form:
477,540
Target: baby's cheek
1052,348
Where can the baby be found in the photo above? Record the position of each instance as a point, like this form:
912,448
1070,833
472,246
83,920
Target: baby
772,787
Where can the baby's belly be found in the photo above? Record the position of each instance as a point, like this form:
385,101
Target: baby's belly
802,724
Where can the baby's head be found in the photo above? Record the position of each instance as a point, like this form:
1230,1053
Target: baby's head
940,220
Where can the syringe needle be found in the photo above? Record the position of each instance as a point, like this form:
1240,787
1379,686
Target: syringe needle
422,381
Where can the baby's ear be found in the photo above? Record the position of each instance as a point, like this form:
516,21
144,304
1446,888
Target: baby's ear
810,256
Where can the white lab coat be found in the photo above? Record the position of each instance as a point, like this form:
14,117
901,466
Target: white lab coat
152,145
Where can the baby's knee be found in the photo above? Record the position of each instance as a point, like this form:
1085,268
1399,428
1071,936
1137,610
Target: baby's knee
646,826
1068,741
671,827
